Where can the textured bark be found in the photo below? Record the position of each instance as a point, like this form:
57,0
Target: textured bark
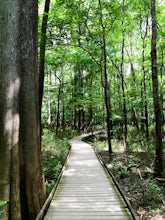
9,109
21,180
32,187
157,106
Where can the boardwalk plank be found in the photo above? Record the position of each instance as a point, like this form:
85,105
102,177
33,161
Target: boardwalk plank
85,191
101,217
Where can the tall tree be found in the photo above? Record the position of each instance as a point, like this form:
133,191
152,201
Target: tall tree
42,52
144,88
106,84
21,179
122,80
157,105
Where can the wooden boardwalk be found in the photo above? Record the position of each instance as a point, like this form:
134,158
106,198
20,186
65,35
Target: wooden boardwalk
85,191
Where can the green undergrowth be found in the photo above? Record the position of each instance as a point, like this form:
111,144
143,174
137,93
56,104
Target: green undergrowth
2,204
134,173
54,152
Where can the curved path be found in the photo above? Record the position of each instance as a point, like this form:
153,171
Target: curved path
85,191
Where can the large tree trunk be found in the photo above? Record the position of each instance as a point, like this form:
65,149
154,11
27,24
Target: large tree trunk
157,106
21,179
9,109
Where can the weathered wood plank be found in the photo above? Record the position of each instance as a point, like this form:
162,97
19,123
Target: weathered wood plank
94,205
86,199
101,209
82,213
101,217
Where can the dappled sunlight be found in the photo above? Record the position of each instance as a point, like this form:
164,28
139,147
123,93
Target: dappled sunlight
13,91
88,163
12,118
75,205
74,172
82,173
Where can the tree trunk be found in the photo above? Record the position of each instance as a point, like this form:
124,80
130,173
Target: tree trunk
80,95
157,107
49,111
21,179
9,109
42,52
106,82
58,109
80,89
144,93
90,109
62,101
133,84
161,83
123,83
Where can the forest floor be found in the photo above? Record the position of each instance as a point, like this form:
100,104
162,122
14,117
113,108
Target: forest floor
134,174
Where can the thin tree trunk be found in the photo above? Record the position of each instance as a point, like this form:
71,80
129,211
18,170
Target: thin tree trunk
161,82
75,95
133,84
79,96
58,109
42,52
145,102
123,83
157,106
90,110
142,107
80,89
144,93
49,77
49,112
106,82
63,102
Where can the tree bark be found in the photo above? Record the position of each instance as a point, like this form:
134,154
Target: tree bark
144,93
42,52
106,81
62,101
58,109
122,81
21,179
157,106
9,109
